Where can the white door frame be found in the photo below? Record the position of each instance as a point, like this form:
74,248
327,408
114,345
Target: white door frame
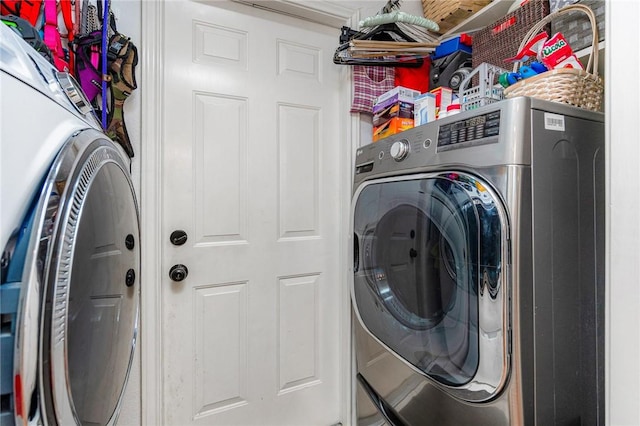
151,177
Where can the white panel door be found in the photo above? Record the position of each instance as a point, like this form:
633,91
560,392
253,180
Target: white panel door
251,167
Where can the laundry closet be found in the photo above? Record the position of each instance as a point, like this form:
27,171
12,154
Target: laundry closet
266,291
359,133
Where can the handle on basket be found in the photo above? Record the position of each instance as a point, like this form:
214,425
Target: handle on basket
593,56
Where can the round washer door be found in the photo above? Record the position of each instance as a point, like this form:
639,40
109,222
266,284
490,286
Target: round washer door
430,256
89,254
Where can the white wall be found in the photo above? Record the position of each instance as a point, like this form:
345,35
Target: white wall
623,220
623,261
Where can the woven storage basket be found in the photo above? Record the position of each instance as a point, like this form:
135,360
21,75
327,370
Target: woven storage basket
576,29
581,88
498,41
449,13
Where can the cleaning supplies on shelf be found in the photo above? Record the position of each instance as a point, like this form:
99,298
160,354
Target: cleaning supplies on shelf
552,53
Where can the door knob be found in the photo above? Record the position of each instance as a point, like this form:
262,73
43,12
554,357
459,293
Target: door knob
178,272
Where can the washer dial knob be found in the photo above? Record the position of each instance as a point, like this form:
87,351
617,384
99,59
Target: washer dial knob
399,149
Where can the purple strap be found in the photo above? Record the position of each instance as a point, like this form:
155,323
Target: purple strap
105,36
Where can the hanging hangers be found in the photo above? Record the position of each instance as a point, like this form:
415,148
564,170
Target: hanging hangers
366,48
390,6
386,45
389,39
399,16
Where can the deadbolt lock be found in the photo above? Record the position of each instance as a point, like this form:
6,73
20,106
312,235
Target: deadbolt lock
178,237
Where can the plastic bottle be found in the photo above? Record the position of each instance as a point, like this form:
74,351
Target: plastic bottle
453,109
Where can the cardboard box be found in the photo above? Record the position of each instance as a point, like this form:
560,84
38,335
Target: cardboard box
388,110
424,109
444,96
399,93
391,127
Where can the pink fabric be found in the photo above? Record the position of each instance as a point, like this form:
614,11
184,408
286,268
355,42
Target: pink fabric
52,36
369,83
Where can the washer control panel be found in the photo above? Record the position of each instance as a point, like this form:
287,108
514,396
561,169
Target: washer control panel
476,130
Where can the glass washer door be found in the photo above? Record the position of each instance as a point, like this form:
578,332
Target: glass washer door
83,289
429,251
93,285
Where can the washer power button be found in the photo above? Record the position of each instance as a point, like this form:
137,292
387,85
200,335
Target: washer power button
399,149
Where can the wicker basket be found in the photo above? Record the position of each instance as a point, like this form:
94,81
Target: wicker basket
498,41
581,88
577,30
449,13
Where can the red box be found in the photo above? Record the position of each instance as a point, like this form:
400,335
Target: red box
444,97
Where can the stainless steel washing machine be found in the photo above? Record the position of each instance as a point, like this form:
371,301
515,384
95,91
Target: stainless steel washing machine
478,259
71,255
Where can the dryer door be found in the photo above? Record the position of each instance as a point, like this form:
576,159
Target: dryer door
83,287
430,279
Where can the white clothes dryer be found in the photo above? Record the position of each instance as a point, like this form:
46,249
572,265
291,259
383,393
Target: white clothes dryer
70,235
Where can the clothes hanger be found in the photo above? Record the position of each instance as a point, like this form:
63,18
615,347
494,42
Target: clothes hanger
384,42
399,16
386,45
